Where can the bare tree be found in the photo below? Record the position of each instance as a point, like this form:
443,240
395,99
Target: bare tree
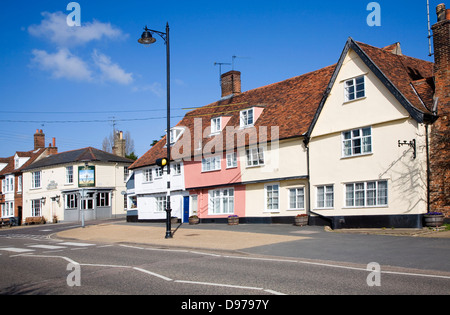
108,143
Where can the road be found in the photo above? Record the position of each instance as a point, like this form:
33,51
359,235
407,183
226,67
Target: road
33,263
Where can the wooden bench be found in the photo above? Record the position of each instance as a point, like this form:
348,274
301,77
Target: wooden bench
34,220
5,222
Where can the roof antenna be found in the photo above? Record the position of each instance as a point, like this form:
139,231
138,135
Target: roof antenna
220,64
234,58
429,29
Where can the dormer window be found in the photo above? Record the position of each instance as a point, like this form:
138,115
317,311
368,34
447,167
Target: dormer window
216,125
247,118
175,135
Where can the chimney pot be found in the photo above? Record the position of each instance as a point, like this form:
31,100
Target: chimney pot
441,12
54,142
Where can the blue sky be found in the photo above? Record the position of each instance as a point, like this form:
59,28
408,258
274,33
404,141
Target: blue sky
55,78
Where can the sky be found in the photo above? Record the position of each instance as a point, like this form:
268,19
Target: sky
78,82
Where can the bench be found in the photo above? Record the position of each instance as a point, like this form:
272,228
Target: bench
34,220
5,222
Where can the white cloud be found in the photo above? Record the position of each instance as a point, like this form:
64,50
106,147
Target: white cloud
54,28
155,88
111,71
62,64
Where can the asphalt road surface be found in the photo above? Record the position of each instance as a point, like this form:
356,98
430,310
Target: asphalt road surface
33,263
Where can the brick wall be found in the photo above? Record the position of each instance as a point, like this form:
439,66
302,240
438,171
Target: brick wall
231,83
440,131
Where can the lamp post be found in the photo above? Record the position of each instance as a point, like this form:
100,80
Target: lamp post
147,39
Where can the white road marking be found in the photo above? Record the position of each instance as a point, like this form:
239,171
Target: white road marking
47,247
17,250
153,274
75,244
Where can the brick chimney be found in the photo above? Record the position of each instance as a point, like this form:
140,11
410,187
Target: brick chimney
119,144
440,131
52,149
39,139
231,83
441,36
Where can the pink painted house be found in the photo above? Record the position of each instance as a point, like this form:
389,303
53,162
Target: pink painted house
215,187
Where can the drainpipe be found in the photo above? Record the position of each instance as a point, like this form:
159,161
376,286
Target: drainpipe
308,190
428,170
306,142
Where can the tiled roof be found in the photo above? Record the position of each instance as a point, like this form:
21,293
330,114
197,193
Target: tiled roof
403,72
10,168
81,155
294,104
289,104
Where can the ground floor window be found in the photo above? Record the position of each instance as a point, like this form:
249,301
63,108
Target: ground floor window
8,209
272,197
36,208
325,196
221,201
194,204
366,194
297,198
71,201
161,204
103,199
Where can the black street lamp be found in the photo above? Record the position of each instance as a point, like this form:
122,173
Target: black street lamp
148,39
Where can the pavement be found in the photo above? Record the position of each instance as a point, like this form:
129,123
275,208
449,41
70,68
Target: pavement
222,236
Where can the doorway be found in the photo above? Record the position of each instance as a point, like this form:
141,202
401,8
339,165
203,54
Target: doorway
186,209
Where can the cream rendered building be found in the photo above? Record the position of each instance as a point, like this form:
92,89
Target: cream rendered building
367,144
66,184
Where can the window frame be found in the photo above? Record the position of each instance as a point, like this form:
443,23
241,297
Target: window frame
231,159
175,134
349,142
71,201
378,196
245,118
326,194
296,200
250,155
103,199
147,176
36,207
159,172
216,201
214,162
36,178
216,125
268,204
69,175
176,168
7,209
161,204
351,89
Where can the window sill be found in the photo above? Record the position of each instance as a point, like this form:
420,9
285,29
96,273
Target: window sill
356,156
365,207
355,100
255,166
211,171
